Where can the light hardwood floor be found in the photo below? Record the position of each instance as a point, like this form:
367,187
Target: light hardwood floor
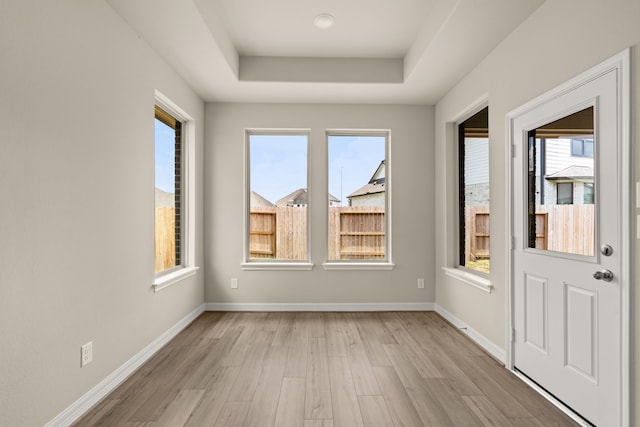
323,370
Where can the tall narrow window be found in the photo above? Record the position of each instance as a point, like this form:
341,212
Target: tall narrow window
473,192
278,197
358,197
168,191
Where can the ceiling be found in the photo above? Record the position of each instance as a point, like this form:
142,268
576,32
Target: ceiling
378,51
363,28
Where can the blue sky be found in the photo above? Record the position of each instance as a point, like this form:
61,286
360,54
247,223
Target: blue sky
165,154
278,164
352,162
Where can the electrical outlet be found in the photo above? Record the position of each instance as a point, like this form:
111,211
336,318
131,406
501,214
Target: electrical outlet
420,283
234,283
86,354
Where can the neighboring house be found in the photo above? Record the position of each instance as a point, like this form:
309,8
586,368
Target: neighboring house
164,199
372,193
572,185
299,198
257,201
564,171
476,172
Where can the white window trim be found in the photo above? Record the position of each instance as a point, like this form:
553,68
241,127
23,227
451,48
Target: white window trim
452,268
282,265
173,277
168,278
468,277
360,266
276,265
365,265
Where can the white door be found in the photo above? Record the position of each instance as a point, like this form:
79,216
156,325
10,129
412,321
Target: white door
567,255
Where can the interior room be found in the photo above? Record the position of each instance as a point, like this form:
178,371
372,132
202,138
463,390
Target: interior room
82,307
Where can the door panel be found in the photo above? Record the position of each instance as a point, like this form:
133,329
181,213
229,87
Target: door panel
536,312
567,323
581,323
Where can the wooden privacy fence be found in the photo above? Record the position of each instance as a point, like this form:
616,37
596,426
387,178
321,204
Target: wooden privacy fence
356,232
570,228
165,238
561,228
476,232
281,233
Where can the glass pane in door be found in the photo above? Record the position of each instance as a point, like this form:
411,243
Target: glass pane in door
561,185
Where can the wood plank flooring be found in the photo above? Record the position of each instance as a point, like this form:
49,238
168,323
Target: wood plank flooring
326,370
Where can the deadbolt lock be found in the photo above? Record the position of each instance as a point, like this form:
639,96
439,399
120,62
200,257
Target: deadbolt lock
606,250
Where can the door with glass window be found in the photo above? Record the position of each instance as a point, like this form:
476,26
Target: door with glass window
566,308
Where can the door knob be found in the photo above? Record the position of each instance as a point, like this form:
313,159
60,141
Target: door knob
605,275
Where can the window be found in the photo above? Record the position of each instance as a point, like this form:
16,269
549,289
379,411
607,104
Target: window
588,193
168,191
174,214
473,192
561,186
582,147
358,197
565,193
277,197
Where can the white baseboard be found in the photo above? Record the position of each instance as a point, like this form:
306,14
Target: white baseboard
476,336
382,306
117,377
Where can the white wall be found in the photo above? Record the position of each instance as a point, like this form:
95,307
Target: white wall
412,211
573,36
375,199
76,213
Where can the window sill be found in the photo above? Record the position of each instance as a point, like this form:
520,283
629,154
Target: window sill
292,266
172,278
363,266
469,278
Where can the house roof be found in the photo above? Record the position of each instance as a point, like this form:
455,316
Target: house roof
368,189
572,172
257,200
299,197
380,174
375,184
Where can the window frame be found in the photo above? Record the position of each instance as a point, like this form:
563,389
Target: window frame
266,264
187,267
373,264
451,268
